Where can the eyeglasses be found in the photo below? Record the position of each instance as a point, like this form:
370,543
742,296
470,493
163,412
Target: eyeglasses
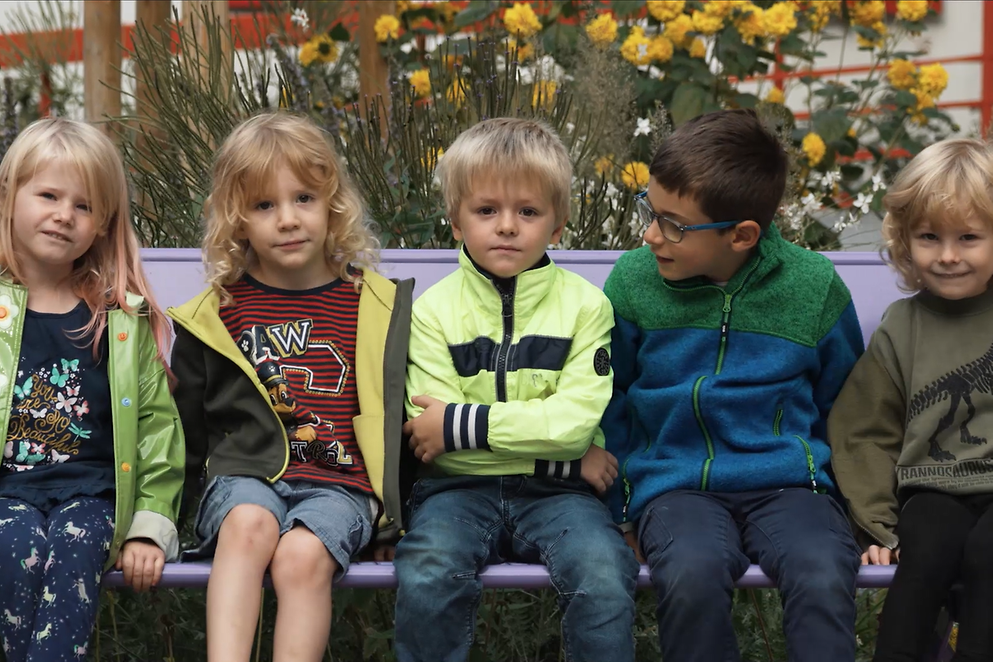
671,230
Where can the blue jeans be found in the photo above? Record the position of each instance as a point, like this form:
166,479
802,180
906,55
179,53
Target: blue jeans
698,544
460,524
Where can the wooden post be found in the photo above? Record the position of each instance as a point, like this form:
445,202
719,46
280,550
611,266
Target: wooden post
373,72
101,61
151,15
193,15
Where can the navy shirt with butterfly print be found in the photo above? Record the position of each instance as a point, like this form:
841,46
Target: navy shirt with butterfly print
59,442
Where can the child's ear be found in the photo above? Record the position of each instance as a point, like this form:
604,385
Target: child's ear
745,235
557,232
456,228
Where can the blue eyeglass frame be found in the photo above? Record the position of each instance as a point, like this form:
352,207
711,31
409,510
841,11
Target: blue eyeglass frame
642,201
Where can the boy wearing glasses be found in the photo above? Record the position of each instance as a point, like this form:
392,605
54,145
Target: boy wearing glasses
729,347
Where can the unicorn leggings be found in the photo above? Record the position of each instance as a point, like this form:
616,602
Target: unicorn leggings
50,570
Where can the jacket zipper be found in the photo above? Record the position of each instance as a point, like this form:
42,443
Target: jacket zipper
503,355
706,433
811,469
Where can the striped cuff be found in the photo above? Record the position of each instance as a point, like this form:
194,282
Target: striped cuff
571,470
466,427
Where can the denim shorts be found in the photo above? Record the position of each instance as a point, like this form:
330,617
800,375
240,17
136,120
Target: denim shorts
341,518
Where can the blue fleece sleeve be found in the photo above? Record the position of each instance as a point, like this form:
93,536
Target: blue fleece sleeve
838,350
616,423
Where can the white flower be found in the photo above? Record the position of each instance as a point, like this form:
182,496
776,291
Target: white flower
810,203
407,47
8,311
611,190
877,182
570,127
644,127
548,69
862,203
299,17
830,179
525,75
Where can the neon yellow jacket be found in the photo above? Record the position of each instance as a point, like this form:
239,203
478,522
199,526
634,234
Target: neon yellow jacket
149,448
524,363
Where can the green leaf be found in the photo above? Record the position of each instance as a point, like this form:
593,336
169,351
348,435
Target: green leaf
478,10
688,102
905,98
745,100
851,171
831,124
339,33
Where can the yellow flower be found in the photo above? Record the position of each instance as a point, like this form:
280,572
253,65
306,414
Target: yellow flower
911,10
676,30
933,79
698,48
775,95
520,20
430,158
720,8
780,19
635,47
880,29
386,27
522,51
635,175
665,10
451,60
924,100
602,30
851,132
604,165
544,95
705,23
821,13
402,6
318,49
420,80
751,24
660,49
902,74
455,94
867,12
813,146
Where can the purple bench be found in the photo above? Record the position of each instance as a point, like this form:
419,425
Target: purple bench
177,275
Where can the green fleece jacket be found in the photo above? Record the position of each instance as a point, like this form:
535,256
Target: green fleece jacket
917,411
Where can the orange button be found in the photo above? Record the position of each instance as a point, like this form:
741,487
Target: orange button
122,336
3,312
125,467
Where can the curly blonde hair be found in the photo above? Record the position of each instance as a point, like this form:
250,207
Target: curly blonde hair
111,267
946,184
245,165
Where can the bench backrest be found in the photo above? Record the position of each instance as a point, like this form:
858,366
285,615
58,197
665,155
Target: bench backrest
177,274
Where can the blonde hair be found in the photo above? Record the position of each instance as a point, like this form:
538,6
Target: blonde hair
945,185
244,166
509,148
111,267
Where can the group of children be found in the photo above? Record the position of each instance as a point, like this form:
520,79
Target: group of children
712,407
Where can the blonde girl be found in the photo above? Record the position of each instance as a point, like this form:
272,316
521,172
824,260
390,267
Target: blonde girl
92,467
912,430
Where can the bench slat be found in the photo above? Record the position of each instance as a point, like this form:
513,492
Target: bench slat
503,575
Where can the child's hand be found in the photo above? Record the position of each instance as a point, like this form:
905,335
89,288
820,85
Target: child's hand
383,552
631,538
877,555
599,469
427,431
142,562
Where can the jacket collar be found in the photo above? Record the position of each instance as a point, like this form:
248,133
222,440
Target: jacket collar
527,288
956,307
766,258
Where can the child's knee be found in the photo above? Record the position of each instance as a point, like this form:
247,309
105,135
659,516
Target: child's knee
302,559
250,527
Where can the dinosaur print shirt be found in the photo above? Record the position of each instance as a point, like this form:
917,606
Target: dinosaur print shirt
59,441
302,344
917,411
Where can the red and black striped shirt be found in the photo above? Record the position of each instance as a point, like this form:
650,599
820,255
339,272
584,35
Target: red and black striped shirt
302,344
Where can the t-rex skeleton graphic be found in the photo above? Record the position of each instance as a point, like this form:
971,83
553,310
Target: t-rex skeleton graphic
957,385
